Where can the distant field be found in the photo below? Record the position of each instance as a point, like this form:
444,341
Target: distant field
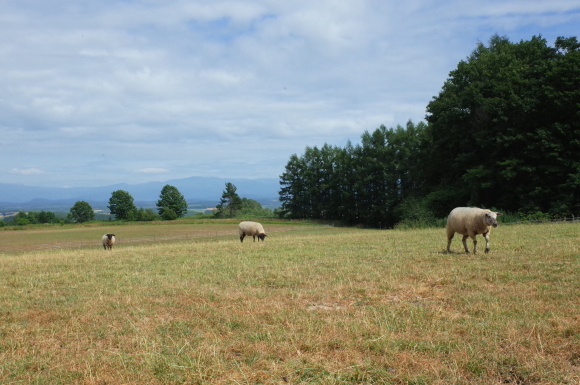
81,236
190,304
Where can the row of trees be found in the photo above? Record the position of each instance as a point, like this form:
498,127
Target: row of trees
33,217
503,132
171,205
363,183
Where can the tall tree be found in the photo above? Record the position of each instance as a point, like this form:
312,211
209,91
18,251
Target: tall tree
230,202
346,195
293,197
121,205
496,134
81,212
375,183
171,203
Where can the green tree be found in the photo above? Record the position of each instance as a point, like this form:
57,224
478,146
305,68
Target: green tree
357,184
374,184
230,203
252,208
505,129
21,219
347,203
47,217
146,215
121,205
293,196
171,203
81,212
169,214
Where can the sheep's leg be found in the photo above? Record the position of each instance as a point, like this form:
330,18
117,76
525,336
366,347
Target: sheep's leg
486,235
474,245
242,237
449,239
464,240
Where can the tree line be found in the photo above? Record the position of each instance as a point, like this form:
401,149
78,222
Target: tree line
171,205
504,132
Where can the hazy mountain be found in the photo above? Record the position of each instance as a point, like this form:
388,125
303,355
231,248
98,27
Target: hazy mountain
193,189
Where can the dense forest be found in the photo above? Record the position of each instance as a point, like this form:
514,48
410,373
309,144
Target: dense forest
503,133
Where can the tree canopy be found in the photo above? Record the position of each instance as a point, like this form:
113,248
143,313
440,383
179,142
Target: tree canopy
81,212
505,129
230,202
356,184
503,132
171,203
121,205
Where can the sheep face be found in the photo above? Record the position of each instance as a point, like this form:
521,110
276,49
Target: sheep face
491,218
108,241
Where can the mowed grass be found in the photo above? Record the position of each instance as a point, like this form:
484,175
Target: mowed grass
311,305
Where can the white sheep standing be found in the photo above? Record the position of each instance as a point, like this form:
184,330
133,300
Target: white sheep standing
470,221
108,241
254,229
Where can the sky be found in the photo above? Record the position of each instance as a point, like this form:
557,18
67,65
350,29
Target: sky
96,93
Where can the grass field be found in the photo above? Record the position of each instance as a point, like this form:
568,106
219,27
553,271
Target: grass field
190,304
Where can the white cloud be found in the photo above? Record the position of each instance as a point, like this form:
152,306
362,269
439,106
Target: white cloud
26,171
153,170
97,90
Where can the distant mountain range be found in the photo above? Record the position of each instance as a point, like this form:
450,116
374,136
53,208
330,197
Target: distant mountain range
194,189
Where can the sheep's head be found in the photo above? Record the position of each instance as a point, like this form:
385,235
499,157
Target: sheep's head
110,235
261,236
491,218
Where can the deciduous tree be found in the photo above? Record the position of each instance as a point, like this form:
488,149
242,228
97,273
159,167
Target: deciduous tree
121,205
505,130
81,212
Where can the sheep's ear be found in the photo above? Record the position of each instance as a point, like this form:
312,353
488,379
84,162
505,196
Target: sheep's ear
498,214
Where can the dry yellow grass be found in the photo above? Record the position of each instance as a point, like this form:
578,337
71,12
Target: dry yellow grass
311,305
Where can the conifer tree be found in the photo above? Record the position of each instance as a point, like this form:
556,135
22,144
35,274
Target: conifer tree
230,203
171,203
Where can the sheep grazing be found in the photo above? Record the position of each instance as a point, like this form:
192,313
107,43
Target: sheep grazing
251,228
470,221
108,241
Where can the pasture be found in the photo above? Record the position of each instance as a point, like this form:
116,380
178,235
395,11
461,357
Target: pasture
190,304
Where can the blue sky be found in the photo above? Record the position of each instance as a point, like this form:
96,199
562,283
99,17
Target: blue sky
105,92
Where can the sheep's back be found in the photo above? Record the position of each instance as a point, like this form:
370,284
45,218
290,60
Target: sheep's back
250,228
462,219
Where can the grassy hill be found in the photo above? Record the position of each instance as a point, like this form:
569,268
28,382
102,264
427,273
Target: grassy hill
189,303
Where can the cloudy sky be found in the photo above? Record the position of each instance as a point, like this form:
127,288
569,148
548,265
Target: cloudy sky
102,92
